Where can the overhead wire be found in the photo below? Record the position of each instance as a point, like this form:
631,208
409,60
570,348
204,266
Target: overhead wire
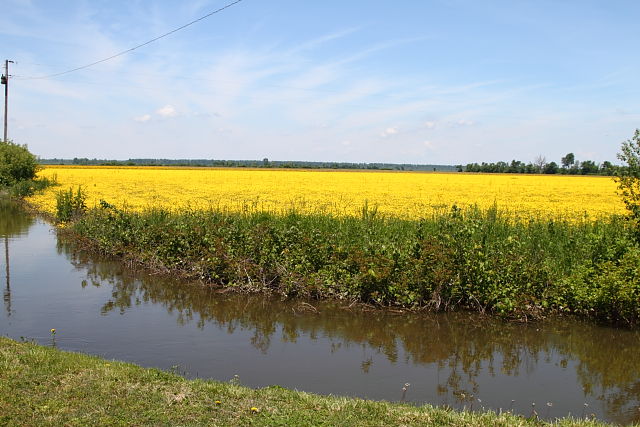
311,91
259,97
314,90
135,47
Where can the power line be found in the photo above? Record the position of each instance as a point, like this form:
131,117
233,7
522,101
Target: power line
135,47
218,80
254,97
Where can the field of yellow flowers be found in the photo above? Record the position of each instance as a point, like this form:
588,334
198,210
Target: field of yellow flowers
402,194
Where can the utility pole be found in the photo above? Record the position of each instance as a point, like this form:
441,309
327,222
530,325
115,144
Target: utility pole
5,82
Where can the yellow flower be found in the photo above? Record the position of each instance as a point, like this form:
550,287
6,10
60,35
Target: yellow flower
218,402
53,331
254,409
409,195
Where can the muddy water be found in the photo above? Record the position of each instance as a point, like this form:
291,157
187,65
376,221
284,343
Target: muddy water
99,307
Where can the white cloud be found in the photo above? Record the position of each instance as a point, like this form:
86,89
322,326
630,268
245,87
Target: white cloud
267,92
389,132
464,122
143,118
167,111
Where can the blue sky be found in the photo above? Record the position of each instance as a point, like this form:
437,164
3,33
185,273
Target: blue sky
430,81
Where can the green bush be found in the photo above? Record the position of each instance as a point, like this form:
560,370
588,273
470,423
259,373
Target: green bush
16,164
70,205
31,186
628,177
609,290
460,259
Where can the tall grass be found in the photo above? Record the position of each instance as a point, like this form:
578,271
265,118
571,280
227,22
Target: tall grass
70,204
472,259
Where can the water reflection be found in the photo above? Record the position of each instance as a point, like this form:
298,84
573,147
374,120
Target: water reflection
6,294
13,222
467,351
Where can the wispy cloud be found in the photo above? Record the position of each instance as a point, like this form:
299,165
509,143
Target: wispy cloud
319,41
389,132
339,93
167,111
142,119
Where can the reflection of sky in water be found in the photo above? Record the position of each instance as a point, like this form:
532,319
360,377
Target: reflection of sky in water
460,360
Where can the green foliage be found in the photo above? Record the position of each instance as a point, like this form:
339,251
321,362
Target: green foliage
589,167
550,168
471,259
70,205
629,178
29,187
569,166
568,160
16,164
609,290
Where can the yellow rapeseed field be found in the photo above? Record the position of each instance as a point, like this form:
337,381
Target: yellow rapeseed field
403,194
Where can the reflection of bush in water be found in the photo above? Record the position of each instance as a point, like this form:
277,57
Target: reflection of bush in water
608,359
13,219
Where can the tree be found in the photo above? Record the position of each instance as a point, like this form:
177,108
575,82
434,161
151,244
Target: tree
551,168
628,178
16,164
530,168
568,160
540,161
589,167
516,166
607,168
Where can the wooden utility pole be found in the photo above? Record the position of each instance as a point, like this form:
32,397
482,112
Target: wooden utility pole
5,82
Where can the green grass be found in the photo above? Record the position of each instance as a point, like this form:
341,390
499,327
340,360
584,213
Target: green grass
44,386
457,259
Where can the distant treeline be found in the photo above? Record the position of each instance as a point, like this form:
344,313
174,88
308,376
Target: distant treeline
568,166
264,163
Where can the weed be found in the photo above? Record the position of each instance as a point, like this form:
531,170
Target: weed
458,259
70,204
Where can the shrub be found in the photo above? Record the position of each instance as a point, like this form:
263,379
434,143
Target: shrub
28,187
461,259
608,290
70,205
628,178
16,164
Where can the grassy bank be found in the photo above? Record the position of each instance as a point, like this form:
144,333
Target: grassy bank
471,259
44,386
